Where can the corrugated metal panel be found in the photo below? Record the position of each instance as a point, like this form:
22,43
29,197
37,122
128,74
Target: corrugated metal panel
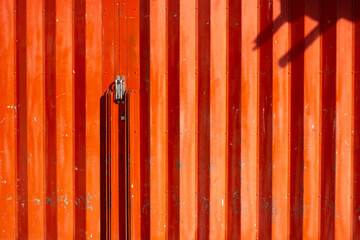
241,116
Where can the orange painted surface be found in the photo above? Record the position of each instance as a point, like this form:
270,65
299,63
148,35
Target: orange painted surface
344,130
188,121
64,116
158,120
312,126
218,119
246,201
280,125
34,120
241,119
8,115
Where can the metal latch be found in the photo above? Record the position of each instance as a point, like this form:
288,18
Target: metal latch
119,89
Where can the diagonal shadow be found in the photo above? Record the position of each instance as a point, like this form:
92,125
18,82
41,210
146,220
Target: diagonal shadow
344,11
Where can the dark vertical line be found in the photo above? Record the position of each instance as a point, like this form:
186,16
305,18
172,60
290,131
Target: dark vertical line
328,147
73,122
108,163
122,130
50,119
43,88
80,120
265,119
15,99
203,119
297,120
122,172
21,103
103,159
145,117
356,156
173,118
234,164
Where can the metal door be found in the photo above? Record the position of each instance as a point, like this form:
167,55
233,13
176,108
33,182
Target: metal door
114,167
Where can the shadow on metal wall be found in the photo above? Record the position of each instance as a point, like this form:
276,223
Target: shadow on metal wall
322,27
326,15
113,148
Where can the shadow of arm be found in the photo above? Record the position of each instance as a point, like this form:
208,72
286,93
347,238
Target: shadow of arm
267,33
300,47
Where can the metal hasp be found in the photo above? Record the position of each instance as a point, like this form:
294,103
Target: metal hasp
119,89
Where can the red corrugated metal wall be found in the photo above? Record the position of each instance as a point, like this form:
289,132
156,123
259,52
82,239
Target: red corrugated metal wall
241,119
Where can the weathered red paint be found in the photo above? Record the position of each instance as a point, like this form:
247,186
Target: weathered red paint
241,119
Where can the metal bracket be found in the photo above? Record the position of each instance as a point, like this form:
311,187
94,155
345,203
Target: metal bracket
119,89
